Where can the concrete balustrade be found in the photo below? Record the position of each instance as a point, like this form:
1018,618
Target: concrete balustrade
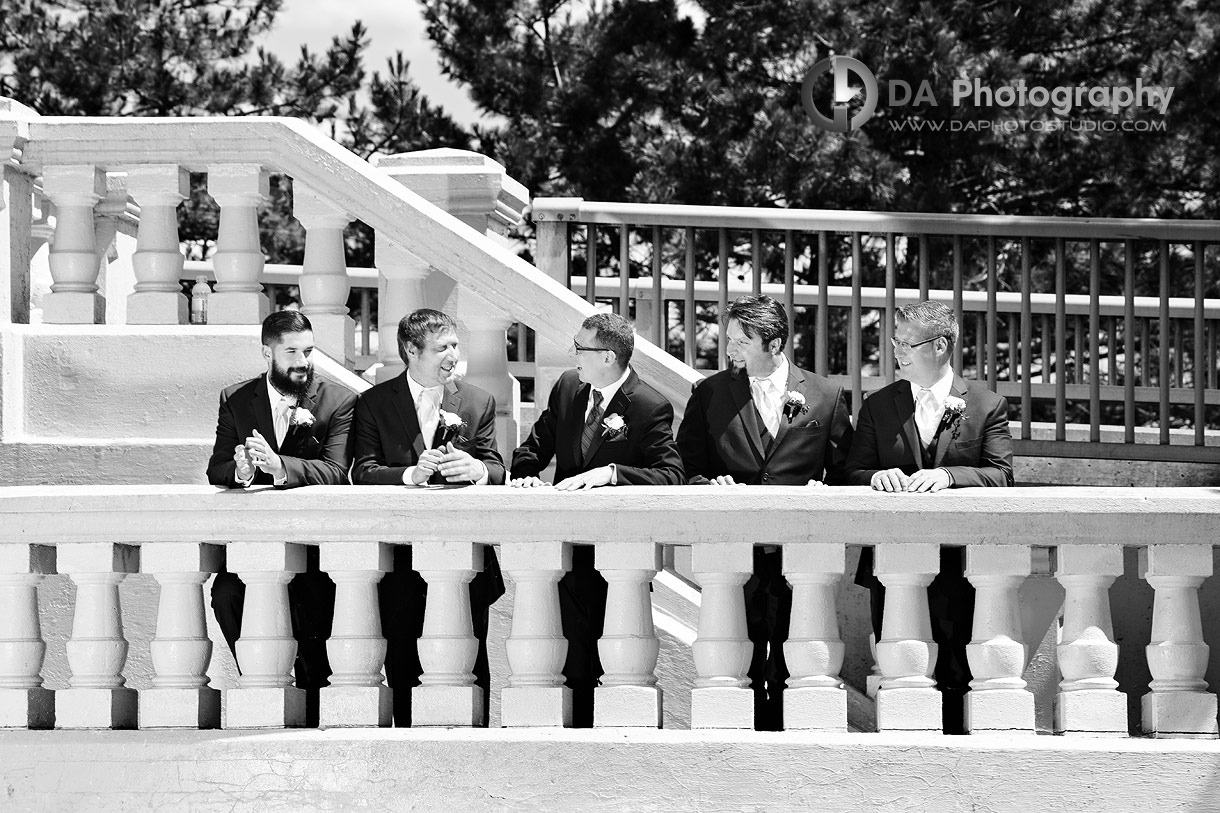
1089,702
722,697
536,649
907,699
815,698
157,262
239,189
324,283
1179,704
74,256
355,529
447,695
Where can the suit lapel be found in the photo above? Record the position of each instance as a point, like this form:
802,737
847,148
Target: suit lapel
904,406
405,404
451,401
943,443
260,404
617,404
739,386
796,383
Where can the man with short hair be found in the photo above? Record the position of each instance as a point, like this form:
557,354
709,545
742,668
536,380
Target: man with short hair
929,431
427,428
284,428
764,421
604,427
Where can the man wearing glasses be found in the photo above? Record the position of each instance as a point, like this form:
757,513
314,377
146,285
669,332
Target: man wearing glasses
929,431
604,427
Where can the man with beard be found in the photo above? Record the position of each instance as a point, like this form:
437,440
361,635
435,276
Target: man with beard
284,429
765,422
426,428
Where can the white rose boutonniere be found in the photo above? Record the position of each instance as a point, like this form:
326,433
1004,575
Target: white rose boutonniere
955,410
614,427
450,426
301,417
794,404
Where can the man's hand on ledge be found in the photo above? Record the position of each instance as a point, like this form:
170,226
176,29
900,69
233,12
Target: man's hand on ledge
590,479
262,456
890,480
457,465
722,480
528,482
924,480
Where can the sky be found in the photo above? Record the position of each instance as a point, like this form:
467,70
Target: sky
393,25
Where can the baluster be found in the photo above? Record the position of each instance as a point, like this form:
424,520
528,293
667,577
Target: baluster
485,340
629,694
400,290
266,651
157,262
998,700
907,699
239,189
1089,702
357,694
180,696
722,697
324,283
447,695
74,258
97,650
535,694
1179,704
815,697
24,703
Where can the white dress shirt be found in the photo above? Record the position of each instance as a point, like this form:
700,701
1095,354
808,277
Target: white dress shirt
608,392
768,395
930,406
427,404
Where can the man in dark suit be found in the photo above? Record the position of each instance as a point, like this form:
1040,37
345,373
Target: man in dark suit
423,428
284,429
930,431
767,422
603,426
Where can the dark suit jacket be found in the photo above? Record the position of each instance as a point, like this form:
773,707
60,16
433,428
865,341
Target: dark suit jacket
721,433
647,454
315,455
388,438
976,451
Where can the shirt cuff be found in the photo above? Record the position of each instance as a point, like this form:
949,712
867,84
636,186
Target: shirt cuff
407,475
613,474
482,481
244,483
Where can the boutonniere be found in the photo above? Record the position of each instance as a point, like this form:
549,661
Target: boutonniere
451,426
301,417
614,427
955,409
794,404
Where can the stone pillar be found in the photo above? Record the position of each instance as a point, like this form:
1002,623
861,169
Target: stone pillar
447,695
324,283
722,697
74,258
266,651
24,703
486,354
239,189
815,698
97,650
180,696
16,243
551,356
400,290
158,298
535,694
907,699
357,695
629,694
1179,704
1089,702
998,700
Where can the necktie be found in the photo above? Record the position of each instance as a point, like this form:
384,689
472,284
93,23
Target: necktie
283,409
592,424
760,389
428,408
926,415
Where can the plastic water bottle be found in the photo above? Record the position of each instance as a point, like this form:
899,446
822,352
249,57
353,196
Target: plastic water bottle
199,301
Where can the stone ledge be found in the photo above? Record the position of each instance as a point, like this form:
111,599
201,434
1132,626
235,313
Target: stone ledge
557,769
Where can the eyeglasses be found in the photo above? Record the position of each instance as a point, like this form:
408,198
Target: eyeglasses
577,347
899,344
